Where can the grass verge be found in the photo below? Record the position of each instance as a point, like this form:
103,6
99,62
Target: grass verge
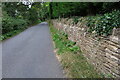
74,63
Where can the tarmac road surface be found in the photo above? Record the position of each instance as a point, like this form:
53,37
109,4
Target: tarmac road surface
30,55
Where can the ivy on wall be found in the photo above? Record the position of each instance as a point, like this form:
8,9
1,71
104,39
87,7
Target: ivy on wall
100,25
103,25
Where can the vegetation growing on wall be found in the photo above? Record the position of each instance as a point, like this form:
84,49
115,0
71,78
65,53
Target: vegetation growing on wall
73,61
100,25
103,25
101,17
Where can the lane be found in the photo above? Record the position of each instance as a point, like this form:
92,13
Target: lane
30,55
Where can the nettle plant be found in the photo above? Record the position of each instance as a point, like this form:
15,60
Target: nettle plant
103,25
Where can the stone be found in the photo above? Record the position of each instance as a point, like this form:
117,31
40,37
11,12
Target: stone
103,54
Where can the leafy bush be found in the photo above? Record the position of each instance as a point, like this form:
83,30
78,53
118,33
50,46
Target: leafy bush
103,25
10,24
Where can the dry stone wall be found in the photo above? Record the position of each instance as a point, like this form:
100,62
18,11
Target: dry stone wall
104,54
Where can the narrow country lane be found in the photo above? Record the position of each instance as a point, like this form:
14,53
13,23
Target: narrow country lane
30,55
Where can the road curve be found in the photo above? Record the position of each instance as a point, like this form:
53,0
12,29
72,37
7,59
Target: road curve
30,55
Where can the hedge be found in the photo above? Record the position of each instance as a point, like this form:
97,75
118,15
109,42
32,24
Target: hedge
10,24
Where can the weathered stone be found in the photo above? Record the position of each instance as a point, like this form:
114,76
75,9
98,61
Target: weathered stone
115,39
111,43
103,54
112,53
113,48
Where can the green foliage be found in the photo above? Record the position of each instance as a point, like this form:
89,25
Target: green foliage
103,25
18,10
69,9
10,24
62,42
17,16
9,34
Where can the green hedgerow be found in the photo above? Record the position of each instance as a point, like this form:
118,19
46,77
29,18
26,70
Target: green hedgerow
10,24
